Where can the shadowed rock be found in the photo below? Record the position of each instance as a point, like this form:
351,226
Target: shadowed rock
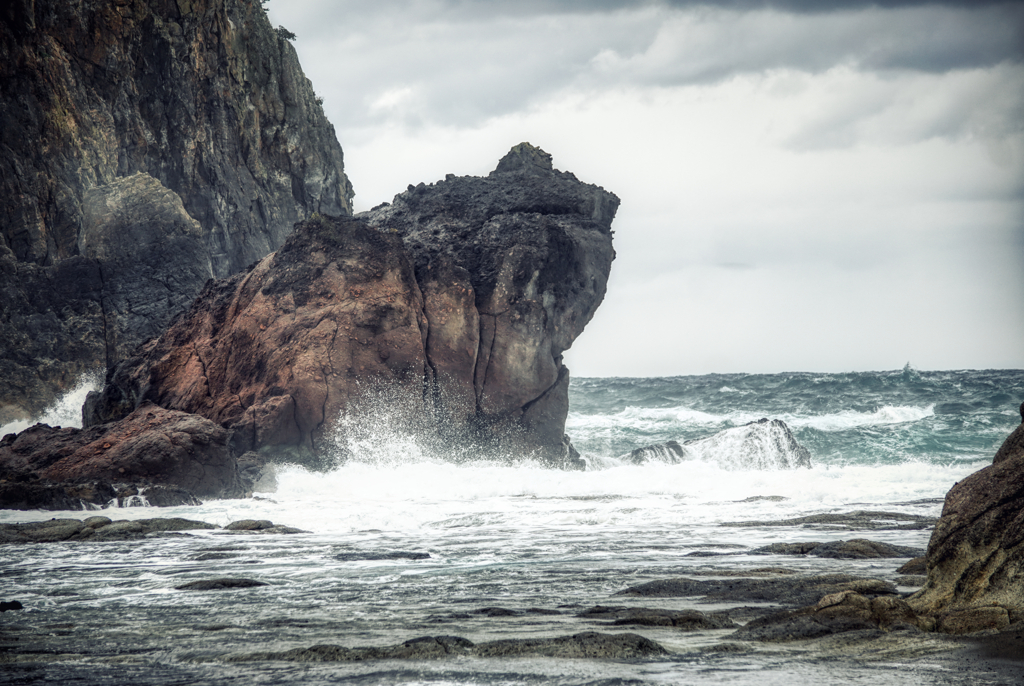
94,529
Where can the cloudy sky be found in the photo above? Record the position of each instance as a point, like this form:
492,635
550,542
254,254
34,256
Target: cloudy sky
805,185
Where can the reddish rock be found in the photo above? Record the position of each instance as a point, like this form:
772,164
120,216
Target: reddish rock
151,446
446,313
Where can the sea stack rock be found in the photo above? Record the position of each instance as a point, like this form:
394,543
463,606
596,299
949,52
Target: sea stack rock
446,312
146,146
975,558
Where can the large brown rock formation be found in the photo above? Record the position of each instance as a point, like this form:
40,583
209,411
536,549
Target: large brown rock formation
447,311
183,122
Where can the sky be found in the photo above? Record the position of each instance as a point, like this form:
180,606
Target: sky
805,186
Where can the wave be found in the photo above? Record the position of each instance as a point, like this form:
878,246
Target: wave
648,419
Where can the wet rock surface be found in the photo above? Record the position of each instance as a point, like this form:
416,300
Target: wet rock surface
686,620
220,584
449,308
855,549
187,125
101,528
65,468
856,520
588,644
791,590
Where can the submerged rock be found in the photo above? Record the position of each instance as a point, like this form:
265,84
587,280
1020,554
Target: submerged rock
855,549
147,146
588,644
220,584
856,520
686,620
975,558
447,311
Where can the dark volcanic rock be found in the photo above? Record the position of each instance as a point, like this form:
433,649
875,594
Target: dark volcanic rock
447,311
976,553
525,252
686,620
589,644
790,590
128,126
10,605
151,447
855,549
219,584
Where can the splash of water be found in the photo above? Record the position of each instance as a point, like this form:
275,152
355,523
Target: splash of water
65,411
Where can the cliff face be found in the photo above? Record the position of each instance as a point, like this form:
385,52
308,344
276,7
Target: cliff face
195,106
448,311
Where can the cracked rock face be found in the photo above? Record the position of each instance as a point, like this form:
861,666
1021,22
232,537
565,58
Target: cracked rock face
446,312
195,109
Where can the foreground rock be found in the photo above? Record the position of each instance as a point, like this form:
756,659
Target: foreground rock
975,559
836,613
447,312
789,590
150,450
147,146
589,644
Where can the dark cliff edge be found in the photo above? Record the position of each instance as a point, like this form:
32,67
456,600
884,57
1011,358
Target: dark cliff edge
446,313
186,125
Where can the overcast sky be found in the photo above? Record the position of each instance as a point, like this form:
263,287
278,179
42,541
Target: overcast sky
806,186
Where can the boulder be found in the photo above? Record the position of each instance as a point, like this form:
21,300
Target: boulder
975,557
126,126
835,613
445,313
152,447
763,444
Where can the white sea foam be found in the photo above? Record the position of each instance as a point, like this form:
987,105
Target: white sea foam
66,411
658,419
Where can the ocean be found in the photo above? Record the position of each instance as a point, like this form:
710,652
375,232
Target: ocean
406,543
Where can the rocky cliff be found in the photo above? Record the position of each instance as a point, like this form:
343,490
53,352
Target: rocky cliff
128,124
447,311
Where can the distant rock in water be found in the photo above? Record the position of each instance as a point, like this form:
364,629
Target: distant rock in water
147,146
764,444
448,310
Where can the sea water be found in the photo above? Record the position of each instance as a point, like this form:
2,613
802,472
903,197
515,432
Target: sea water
520,537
